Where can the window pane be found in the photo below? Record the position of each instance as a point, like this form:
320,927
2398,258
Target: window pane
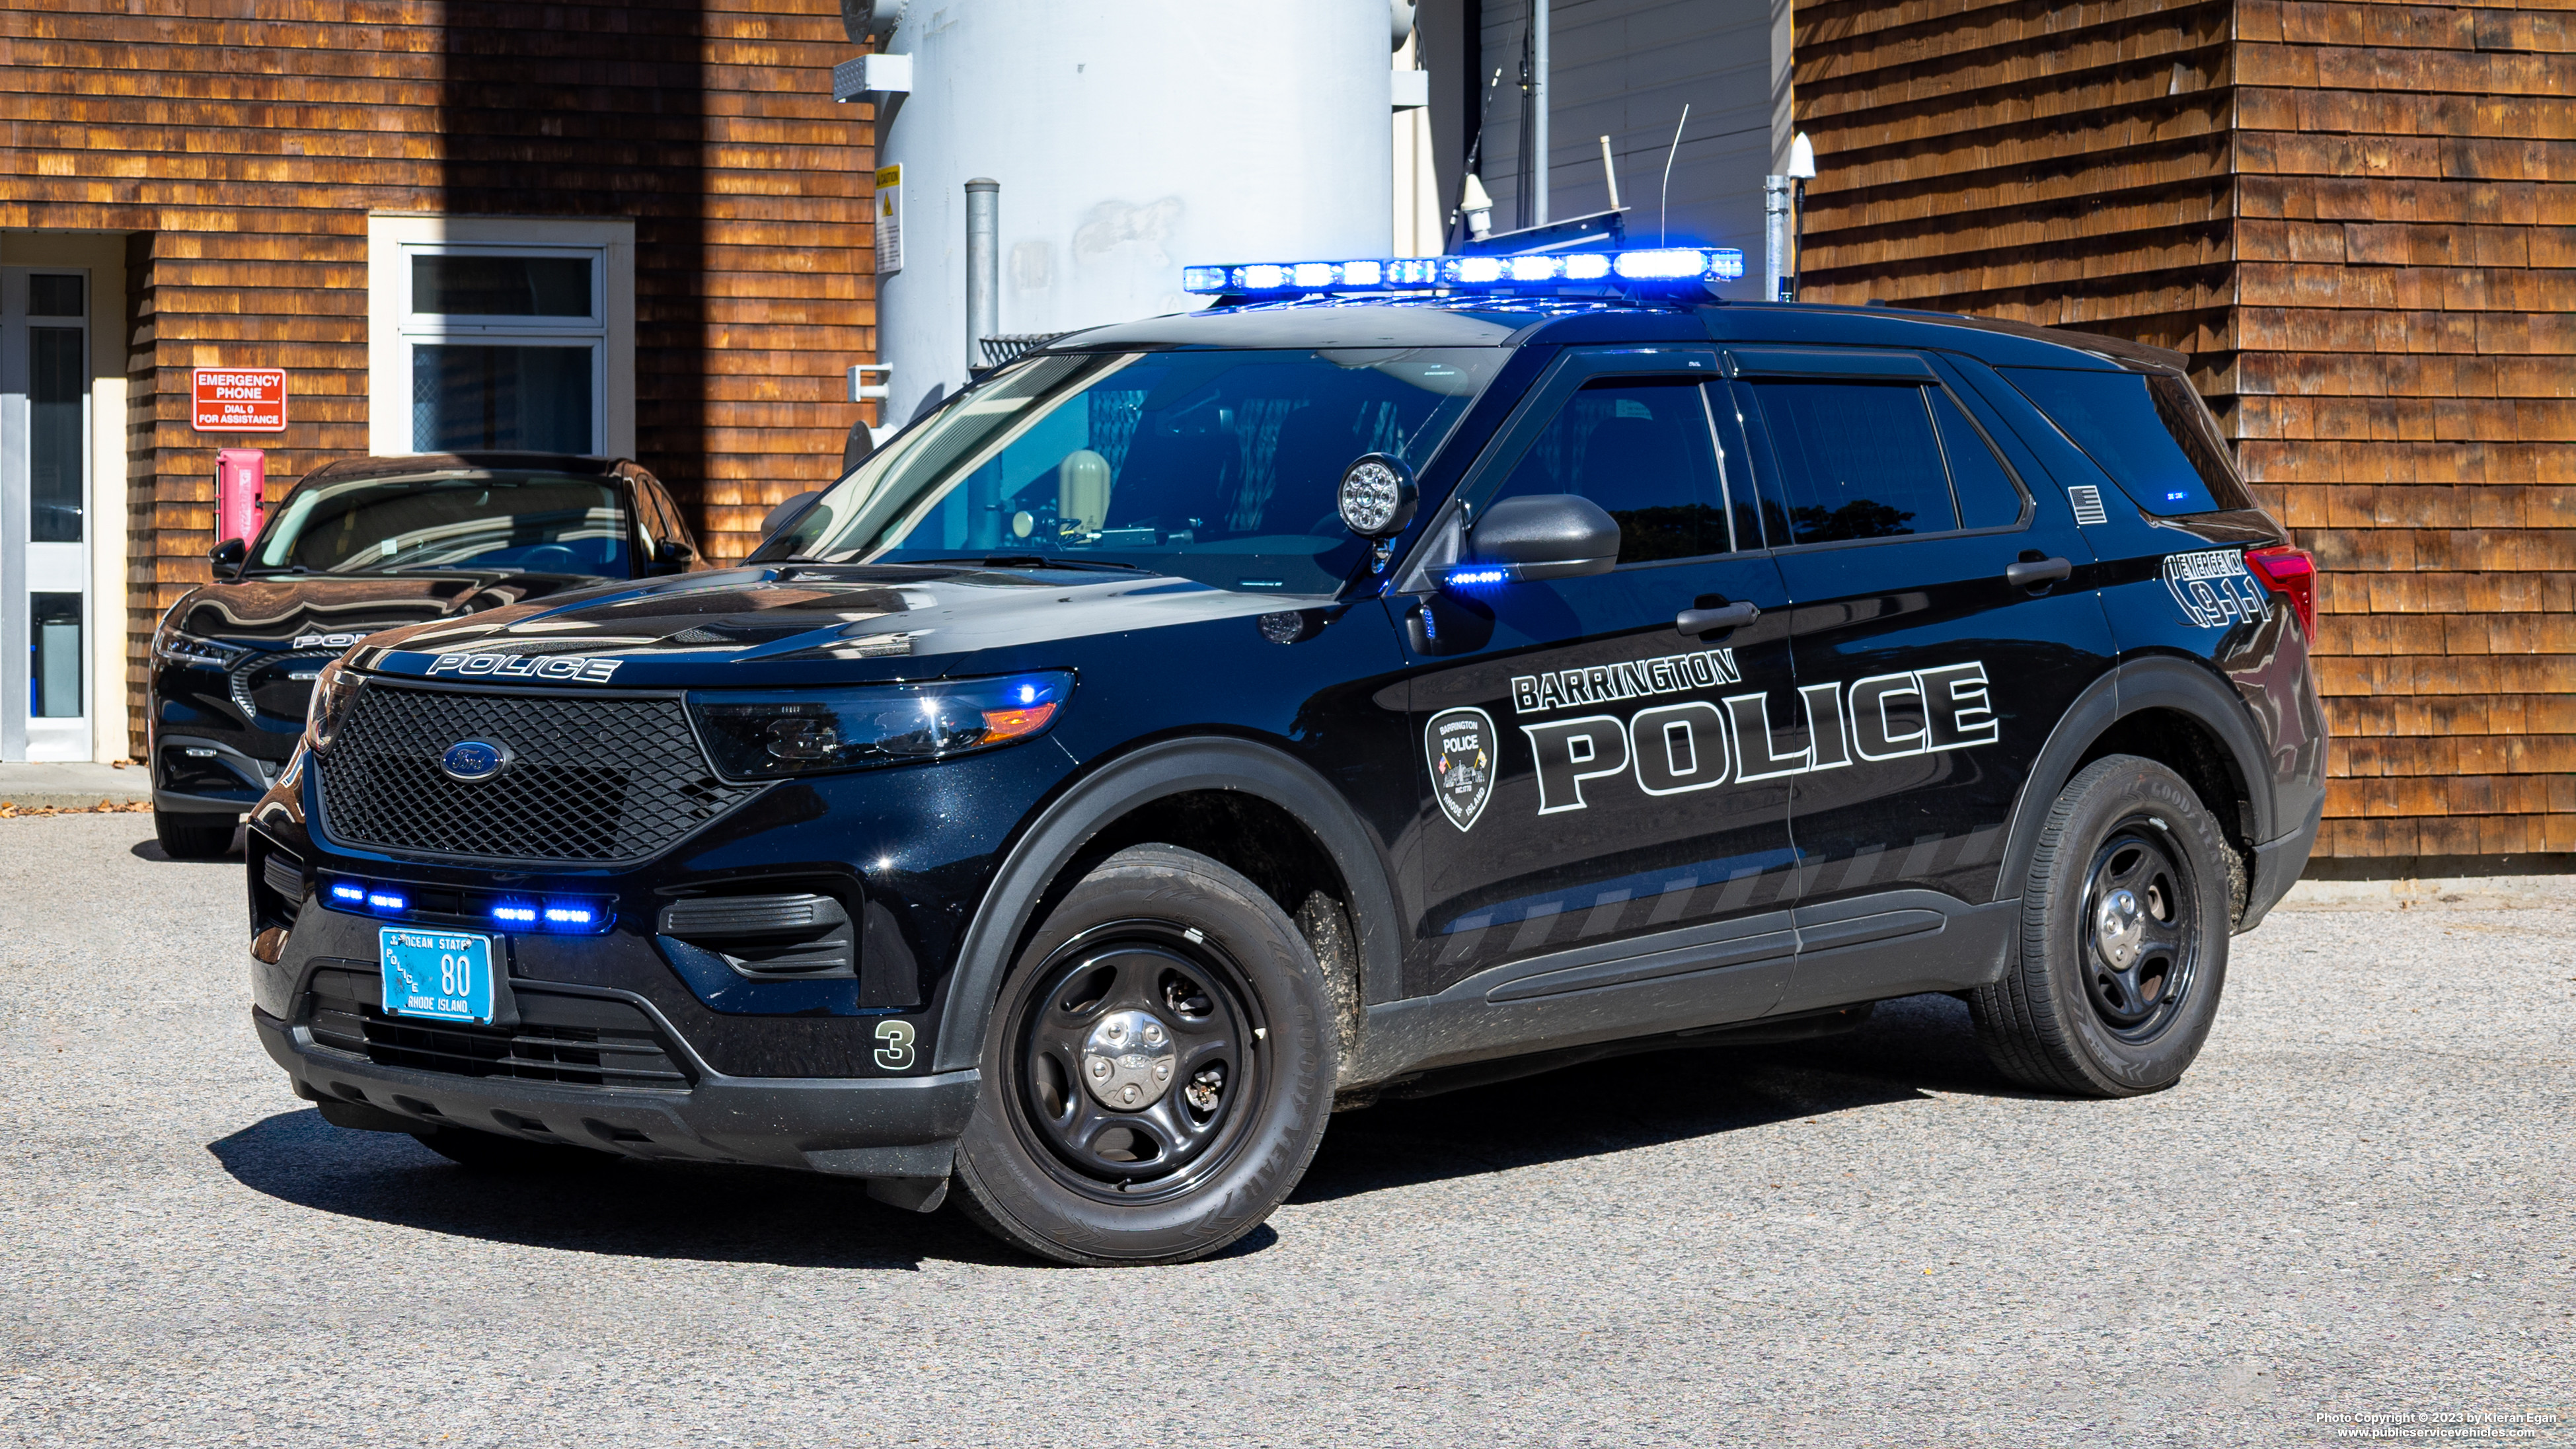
466,398
1857,460
1987,497
54,449
2154,439
55,296
1641,449
534,522
501,286
55,680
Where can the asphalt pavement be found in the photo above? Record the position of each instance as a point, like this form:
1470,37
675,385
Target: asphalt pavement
2359,1204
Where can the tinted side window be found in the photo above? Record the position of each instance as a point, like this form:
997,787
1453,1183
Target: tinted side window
2151,434
1641,449
1857,459
1987,497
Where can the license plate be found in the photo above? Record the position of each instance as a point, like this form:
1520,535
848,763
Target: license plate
443,975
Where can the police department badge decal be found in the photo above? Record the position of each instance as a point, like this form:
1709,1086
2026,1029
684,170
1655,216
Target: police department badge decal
1461,744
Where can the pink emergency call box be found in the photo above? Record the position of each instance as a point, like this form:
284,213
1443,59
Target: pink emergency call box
241,490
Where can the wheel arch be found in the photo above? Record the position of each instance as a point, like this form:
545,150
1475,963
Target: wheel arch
1207,790
2178,712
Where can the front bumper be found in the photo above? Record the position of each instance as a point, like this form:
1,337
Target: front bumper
886,1127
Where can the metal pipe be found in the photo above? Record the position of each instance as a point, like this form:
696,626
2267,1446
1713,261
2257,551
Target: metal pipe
1776,285
983,266
1538,112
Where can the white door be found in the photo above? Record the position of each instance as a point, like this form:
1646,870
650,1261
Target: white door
45,598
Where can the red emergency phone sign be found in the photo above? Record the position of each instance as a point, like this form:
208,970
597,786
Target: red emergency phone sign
240,399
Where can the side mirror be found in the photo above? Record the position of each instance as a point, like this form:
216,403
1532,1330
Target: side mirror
673,556
230,554
1541,536
788,512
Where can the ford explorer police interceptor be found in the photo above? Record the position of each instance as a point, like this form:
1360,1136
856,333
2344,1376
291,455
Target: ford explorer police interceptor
1391,674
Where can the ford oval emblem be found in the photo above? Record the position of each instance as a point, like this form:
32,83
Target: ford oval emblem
474,760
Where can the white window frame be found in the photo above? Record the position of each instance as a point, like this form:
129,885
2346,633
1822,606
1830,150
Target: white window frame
394,329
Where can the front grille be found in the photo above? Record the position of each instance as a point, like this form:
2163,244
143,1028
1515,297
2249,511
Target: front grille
589,780
577,1040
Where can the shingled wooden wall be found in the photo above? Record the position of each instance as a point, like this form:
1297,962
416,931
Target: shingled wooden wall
241,146
2359,219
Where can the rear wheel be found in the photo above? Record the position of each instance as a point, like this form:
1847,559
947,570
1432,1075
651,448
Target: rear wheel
2124,937
193,837
1157,1072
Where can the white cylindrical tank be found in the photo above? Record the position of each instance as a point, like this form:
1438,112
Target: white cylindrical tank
1131,138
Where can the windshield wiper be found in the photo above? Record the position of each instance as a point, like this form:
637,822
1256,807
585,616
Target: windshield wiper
1035,561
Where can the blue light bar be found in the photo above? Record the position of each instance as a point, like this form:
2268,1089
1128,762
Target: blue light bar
564,916
1472,577
510,913
343,891
391,903
1624,271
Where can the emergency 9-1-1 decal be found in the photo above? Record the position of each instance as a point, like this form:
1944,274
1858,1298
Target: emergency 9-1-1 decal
1461,744
2215,589
1691,745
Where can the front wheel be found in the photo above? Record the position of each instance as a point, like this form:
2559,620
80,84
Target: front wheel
2124,933
193,837
1157,1072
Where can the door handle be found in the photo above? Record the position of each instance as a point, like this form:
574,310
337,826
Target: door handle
2032,575
1710,621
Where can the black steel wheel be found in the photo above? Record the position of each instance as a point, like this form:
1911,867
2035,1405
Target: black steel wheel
1157,1070
2139,942
1132,1055
2123,943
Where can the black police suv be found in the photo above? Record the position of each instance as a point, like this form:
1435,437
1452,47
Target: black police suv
359,545
1206,722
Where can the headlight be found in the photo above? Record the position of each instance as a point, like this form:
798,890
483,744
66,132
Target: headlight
169,646
333,688
763,735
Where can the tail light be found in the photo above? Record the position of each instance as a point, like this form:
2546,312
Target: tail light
2291,573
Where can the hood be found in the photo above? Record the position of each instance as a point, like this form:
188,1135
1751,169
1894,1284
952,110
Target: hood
804,624
303,611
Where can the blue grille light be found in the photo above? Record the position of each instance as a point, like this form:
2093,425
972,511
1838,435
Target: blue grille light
511,914
389,902
353,895
1580,269
571,917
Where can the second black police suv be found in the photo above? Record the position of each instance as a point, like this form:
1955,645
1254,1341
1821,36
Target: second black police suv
1207,721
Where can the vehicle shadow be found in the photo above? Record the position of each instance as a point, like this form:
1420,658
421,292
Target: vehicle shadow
1907,1048
598,1203
150,849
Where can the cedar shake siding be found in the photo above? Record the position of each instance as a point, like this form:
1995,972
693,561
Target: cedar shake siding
2360,221
241,146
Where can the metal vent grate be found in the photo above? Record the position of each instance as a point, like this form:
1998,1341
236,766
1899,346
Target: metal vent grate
588,780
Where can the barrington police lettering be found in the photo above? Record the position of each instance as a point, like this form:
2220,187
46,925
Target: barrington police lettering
1671,674
1672,749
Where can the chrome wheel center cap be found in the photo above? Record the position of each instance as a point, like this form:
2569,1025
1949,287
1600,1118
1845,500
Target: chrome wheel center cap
1128,1061
2119,924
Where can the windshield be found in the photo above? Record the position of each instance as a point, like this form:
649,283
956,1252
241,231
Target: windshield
539,523
1215,466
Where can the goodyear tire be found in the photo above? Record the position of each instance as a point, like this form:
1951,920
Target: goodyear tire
193,837
2124,933
1157,1072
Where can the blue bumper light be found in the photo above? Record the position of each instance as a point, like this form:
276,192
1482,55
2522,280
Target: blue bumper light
507,914
1658,268
347,894
388,903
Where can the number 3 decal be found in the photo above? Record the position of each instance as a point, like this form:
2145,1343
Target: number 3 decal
896,1054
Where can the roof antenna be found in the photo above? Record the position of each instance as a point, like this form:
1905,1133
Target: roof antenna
1610,170
1665,204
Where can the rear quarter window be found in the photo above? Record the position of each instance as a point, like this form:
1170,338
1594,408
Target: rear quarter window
2149,431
